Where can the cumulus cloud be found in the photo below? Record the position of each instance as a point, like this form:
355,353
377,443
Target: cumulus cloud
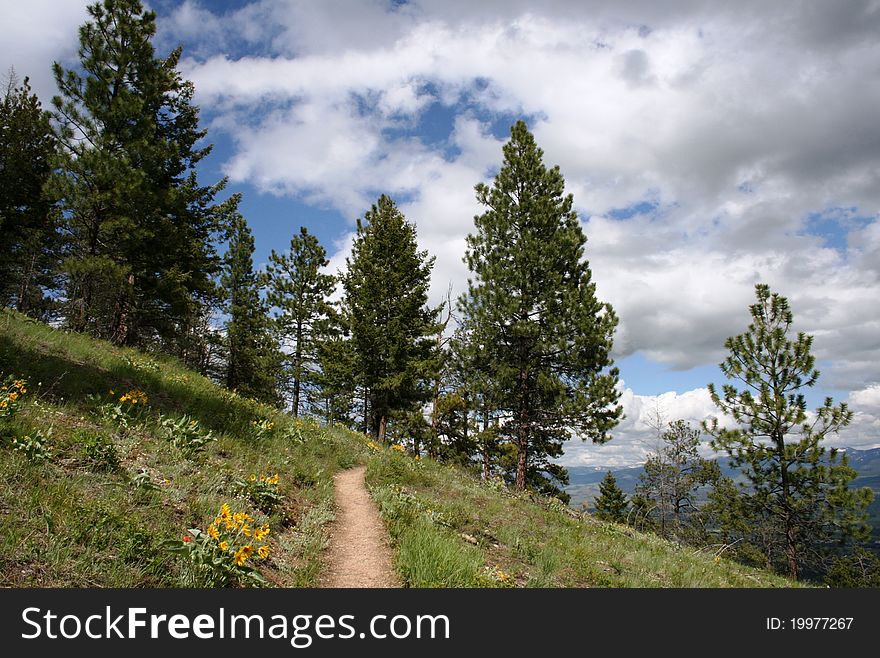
709,145
37,33
637,435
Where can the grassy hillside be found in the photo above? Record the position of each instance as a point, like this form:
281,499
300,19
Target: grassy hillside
450,529
91,488
96,488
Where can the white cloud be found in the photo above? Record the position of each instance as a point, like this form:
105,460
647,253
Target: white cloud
734,128
637,434
37,33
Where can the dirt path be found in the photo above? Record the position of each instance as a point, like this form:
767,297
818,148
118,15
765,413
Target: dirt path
359,555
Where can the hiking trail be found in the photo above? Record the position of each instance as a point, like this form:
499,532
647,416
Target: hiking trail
359,553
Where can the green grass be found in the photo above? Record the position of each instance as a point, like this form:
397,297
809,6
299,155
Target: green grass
94,505
97,511
452,530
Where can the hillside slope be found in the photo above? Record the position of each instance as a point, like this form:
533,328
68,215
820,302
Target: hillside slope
99,489
95,489
451,529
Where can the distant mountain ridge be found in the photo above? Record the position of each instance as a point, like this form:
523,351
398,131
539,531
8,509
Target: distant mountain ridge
584,481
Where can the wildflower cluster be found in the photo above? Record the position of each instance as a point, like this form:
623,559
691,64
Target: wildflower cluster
398,448
125,409
133,397
496,577
261,491
262,429
11,392
142,364
375,447
219,557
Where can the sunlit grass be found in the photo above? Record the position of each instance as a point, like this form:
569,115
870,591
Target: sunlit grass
451,530
97,512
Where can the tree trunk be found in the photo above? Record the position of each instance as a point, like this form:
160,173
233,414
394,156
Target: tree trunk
22,305
522,458
790,529
522,439
297,369
487,459
791,548
383,424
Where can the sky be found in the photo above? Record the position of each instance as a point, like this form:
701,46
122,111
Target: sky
709,146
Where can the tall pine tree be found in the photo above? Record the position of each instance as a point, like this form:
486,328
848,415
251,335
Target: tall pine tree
385,305
140,229
253,357
795,486
299,292
29,246
545,337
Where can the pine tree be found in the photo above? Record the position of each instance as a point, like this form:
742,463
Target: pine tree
672,477
532,305
611,503
139,227
795,486
29,247
299,292
253,357
337,376
386,295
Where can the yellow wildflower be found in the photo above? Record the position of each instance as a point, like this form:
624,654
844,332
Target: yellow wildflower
213,532
13,396
253,478
242,554
273,479
263,552
225,512
246,530
224,545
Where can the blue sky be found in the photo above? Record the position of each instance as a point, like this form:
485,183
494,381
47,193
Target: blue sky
706,149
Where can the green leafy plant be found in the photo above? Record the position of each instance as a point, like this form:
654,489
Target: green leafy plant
143,483
34,445
262,429
101,453
186,434
261,491
220,556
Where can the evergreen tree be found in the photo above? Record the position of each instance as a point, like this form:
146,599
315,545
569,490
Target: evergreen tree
29,246
253,357
670,481
795,486
337,375
299,292
139,227
532,305
386,295
611,503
